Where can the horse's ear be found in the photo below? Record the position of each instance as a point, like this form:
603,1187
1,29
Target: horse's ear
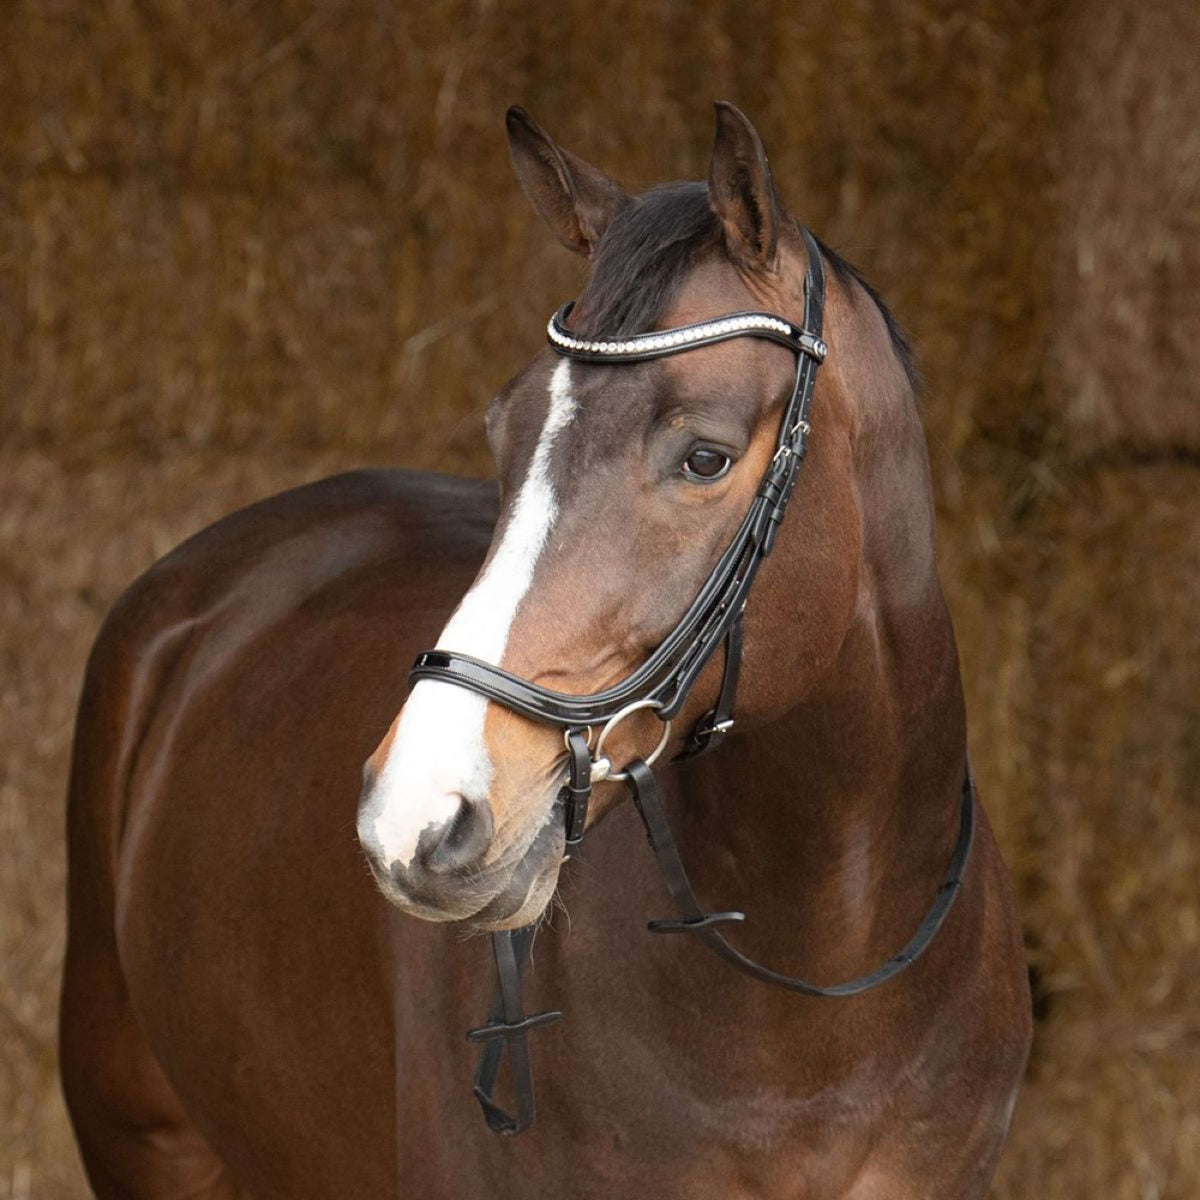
741,191
574,199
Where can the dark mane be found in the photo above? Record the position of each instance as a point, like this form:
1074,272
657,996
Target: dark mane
849,274
649,249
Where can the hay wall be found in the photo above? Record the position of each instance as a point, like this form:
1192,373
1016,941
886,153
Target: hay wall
239,244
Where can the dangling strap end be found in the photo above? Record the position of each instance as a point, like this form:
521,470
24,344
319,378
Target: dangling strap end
498,1121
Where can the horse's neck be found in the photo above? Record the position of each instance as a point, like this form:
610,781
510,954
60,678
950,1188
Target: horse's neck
833,826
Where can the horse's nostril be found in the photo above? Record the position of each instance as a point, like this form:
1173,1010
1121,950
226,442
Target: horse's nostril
458,843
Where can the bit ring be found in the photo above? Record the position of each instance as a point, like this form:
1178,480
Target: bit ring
598,772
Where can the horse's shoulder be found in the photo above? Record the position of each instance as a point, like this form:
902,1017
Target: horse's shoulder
393,525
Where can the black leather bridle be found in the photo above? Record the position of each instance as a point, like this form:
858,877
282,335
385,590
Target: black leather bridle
662,684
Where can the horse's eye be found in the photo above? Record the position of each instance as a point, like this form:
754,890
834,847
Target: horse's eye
705,464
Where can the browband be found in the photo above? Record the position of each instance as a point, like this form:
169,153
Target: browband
642,346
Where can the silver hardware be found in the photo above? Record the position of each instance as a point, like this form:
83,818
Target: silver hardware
723,726
601,769
800,426
585,729
613,722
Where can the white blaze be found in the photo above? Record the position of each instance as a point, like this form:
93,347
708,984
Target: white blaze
439,753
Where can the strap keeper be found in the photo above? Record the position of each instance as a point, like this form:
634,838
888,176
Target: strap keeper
499,1029
576,792
694,924
575,801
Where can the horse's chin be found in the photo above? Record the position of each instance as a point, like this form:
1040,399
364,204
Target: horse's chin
499,899
530,887
493,918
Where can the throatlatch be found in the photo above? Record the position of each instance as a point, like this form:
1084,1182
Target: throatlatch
662,684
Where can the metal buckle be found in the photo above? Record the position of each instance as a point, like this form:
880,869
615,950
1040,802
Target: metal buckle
800,427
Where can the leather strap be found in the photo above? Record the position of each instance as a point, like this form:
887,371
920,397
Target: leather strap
696,920
711,729
506,1029
577,791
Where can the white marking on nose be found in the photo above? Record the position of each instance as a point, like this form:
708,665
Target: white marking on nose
439,753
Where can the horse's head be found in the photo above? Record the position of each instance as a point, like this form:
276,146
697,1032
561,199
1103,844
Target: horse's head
622,486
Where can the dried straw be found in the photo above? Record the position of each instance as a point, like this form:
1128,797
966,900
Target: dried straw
244,245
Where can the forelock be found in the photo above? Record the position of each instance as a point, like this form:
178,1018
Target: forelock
643,258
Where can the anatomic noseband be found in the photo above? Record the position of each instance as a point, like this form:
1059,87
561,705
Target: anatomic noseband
662,683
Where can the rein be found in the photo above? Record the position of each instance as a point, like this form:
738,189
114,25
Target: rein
662,684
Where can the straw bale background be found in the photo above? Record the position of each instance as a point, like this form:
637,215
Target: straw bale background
239,244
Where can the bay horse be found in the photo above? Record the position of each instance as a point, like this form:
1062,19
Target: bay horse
250,1008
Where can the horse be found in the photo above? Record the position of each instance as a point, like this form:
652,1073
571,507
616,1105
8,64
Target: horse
266,981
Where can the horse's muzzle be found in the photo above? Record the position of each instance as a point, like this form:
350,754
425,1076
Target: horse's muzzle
455,872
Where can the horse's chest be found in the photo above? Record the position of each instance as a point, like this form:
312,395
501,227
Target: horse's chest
721,1116
753,1150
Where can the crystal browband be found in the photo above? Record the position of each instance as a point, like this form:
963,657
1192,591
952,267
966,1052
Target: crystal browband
684,337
